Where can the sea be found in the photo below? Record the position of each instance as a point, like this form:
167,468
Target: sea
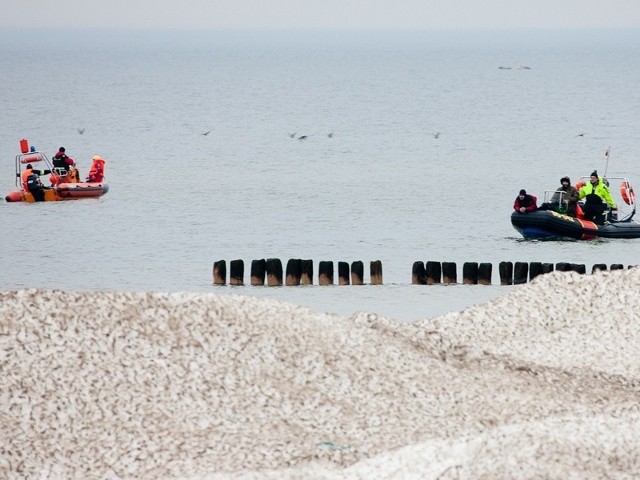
398,146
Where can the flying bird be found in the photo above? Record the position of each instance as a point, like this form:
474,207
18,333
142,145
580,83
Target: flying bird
81,131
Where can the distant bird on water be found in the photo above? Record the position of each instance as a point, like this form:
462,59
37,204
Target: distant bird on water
292,135
436,135
330,135
302,137
81,131
580,135
207,133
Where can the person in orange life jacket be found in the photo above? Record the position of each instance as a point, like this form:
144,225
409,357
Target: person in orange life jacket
61,160
31,182
525,203
96,174
595,194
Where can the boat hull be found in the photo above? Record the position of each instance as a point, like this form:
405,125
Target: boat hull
549,224
62,191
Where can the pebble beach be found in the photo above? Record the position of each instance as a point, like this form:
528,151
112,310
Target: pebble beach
543,382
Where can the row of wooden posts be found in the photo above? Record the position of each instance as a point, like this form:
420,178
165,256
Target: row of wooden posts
300,272
473,273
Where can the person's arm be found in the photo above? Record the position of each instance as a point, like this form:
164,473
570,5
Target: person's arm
534,205
516,205
608,199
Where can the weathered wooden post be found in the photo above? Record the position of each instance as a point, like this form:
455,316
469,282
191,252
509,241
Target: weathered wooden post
535,269
293,272
599,267
258,268
616,266
449,272
236,272
579,268
325,273
484,273
506,273
470,273
306,268
375,269
274,272
343,273
357,273
563,267
433,272
547,268
220,272
418,274
520,273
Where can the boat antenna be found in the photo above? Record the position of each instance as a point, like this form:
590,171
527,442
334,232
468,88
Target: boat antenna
607,154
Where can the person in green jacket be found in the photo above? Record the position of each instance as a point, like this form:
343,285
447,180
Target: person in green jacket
596,193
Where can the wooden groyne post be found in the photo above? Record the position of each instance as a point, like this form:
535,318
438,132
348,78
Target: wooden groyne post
325,273
506,273
343,273
274,272
433,272
293,272
236,272
449,273
470,273
375,269
485,271
220,272
306,272
258,269
357,273
418,274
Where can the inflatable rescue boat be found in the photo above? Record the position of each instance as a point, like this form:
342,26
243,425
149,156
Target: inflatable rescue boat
553,223
65,182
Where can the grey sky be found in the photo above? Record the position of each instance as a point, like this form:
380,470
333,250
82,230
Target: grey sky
348,14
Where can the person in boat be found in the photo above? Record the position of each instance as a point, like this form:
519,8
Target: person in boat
96,173
568,200
597,198
62,161
31,182
525,203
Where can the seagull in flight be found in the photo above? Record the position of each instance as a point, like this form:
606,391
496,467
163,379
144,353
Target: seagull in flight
80,131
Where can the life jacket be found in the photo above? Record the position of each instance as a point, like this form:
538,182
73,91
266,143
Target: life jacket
23,178
96,174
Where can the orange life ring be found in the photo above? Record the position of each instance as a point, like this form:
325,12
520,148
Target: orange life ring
626,191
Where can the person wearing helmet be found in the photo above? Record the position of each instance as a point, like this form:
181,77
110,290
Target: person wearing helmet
566,197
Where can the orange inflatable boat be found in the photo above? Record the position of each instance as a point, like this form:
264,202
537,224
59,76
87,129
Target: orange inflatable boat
65,184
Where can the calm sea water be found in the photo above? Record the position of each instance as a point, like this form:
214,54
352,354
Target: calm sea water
381,186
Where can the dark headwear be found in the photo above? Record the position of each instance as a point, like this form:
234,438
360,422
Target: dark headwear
29,166
594,173
523,192
565,178
61,149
